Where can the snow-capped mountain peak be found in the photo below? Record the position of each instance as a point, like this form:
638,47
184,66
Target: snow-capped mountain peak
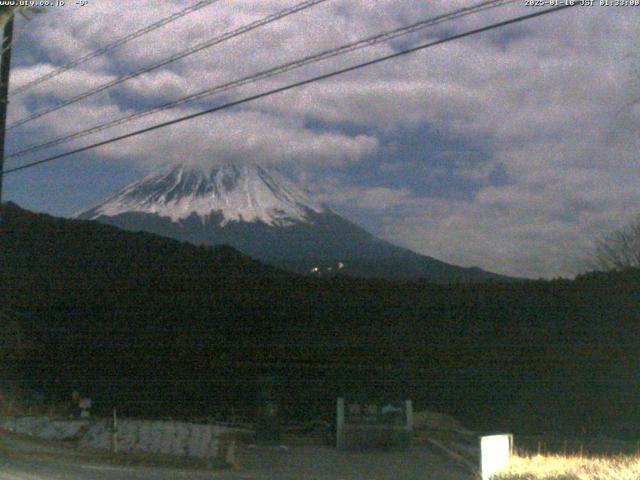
240,193
264,215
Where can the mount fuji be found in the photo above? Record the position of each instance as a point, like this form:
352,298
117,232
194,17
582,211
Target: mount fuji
264,215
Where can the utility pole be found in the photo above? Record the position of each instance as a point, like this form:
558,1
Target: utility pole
5,68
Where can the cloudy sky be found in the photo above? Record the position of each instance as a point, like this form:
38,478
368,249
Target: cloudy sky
510,150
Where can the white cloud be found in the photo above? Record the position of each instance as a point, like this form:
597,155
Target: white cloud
242,136
72,85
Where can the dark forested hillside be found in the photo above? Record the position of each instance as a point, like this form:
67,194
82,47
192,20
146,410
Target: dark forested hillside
158,327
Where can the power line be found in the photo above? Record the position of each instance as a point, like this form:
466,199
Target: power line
274,91
299,63
178,56
113,45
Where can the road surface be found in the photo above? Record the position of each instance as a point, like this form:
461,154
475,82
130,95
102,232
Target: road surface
22,459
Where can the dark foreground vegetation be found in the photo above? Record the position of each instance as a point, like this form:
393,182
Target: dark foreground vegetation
163,328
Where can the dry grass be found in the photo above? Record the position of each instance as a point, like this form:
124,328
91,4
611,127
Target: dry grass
559,467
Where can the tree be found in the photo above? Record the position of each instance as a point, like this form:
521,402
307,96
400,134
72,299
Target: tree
8,12
619,250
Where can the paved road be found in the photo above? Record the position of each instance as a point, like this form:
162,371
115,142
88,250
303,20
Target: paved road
326,463
21,460
18,468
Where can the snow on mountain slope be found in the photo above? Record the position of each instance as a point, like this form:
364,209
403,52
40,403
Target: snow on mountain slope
241,193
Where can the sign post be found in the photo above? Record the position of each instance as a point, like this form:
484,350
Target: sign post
114,433
268,415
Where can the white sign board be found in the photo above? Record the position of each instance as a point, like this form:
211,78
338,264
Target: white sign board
495,451
373,424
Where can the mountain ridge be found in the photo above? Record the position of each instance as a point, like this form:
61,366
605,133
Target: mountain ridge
264,215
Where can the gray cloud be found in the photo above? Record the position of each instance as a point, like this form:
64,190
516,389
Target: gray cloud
542,97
